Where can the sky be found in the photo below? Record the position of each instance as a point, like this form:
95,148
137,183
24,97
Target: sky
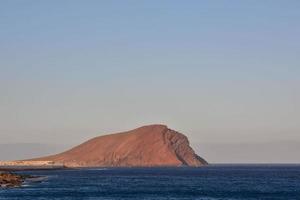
224,73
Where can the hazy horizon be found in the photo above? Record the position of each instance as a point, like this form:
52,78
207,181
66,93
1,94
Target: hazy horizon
232,153
225,75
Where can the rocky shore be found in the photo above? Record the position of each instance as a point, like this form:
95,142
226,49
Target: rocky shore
8,179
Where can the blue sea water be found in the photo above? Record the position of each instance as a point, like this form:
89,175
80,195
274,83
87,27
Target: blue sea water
215,182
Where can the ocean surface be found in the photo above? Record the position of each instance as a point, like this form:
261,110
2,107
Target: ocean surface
216,182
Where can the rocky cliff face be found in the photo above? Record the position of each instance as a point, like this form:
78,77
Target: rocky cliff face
154,145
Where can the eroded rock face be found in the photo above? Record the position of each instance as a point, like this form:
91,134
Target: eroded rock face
147,146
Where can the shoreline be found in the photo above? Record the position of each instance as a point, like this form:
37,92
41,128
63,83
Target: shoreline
29,165
227,165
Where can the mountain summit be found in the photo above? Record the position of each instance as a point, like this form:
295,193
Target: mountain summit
147,146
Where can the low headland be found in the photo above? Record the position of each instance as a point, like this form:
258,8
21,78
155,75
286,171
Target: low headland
29,165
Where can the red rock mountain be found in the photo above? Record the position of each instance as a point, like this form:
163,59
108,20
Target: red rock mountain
147,146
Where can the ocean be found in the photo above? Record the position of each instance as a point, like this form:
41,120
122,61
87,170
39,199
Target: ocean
214,182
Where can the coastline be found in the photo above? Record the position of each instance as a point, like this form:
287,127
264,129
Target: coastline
29,165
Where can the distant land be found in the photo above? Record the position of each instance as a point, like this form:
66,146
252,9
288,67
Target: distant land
147,146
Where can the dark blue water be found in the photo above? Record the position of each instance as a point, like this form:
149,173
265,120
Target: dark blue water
221,182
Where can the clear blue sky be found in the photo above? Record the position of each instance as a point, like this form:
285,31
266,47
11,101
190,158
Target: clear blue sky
219,71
